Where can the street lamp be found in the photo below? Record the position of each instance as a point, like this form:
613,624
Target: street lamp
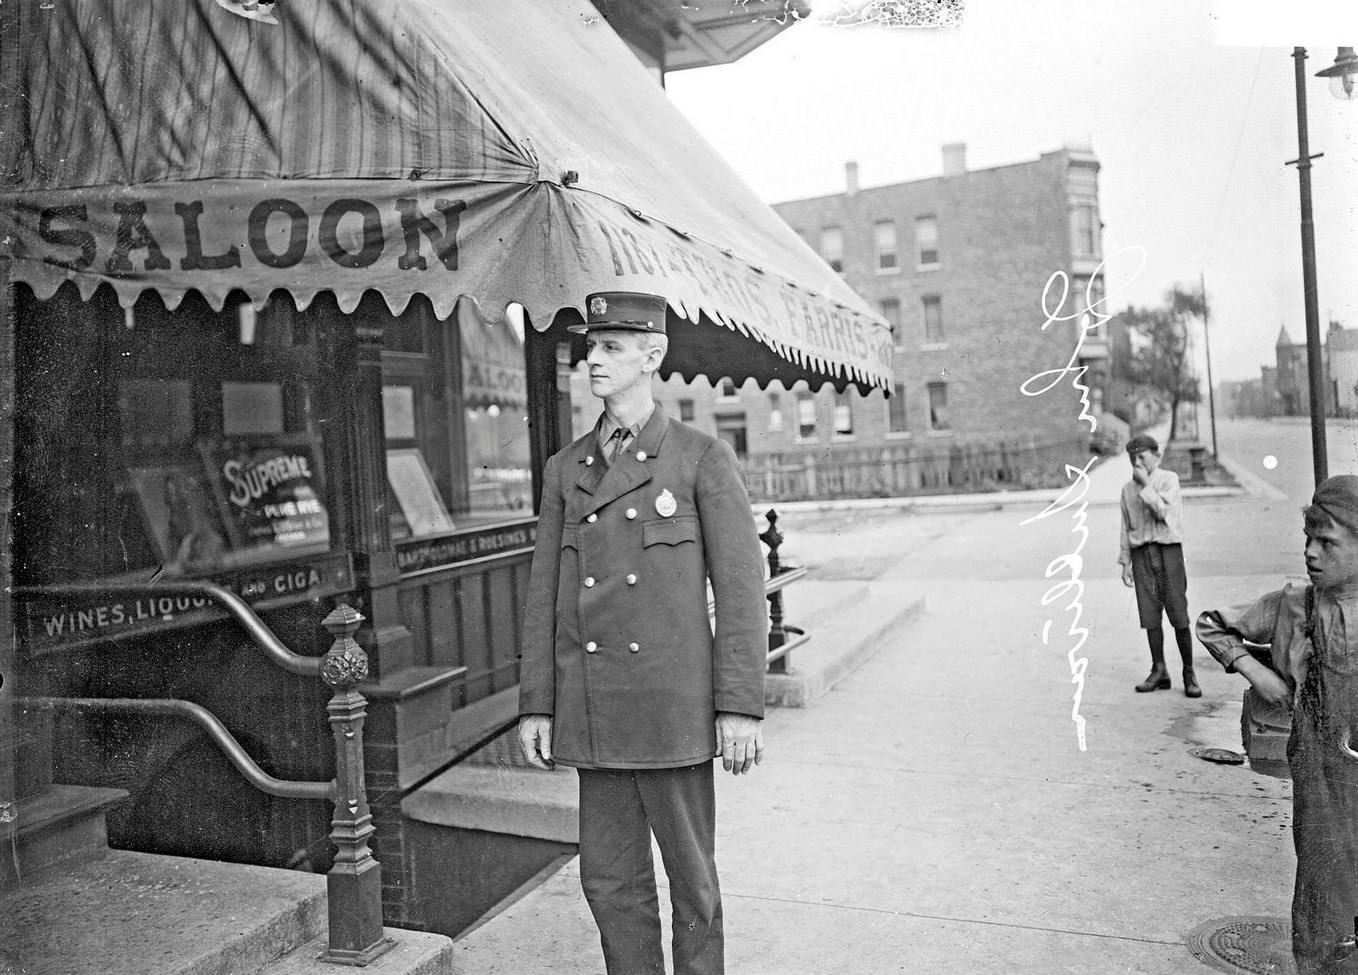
1342,75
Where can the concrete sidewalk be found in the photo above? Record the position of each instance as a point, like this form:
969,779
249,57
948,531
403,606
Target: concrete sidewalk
935,812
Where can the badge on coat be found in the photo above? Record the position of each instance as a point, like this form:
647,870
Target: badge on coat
665,505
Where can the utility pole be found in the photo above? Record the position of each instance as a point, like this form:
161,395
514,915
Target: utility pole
1207,343
1315,371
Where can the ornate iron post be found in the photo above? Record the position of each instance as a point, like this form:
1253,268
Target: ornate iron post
354,884
773,538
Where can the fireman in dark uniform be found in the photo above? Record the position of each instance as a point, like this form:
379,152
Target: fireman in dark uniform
623,676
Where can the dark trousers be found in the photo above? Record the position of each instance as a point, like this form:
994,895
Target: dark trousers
619,810
1161,584
1325,835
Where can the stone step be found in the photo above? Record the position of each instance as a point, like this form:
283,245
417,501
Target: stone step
60,824
845,623
143,914
414,953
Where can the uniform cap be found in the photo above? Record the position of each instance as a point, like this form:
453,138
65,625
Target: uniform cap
626,310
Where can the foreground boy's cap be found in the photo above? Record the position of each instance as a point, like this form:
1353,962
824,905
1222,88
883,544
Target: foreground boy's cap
1338,497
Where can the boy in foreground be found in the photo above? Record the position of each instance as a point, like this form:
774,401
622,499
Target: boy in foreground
1311,664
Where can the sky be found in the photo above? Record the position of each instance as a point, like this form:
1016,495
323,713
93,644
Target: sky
1189,105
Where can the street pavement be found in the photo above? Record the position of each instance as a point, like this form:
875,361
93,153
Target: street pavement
959,804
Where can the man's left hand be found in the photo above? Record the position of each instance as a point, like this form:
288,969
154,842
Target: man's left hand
1140,476
740,742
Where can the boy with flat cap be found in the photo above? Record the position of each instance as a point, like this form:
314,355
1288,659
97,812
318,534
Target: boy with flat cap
622,675
1311,666
1152,559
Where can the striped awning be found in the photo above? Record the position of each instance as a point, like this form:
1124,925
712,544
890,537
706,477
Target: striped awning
513,152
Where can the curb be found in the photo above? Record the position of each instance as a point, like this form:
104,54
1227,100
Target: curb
1251,482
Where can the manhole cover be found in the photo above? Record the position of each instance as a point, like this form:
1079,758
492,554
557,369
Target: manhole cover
1245,944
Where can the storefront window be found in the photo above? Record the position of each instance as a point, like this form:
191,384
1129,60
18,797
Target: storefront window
177,443
495,415
455,412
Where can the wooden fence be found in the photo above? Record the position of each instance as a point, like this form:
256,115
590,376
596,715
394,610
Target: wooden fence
895,470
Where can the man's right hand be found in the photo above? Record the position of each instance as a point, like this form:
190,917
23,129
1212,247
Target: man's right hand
1127,578
535,738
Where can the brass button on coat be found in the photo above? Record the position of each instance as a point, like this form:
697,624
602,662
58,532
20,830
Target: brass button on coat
592,518
591,646
589,583
631,513
631,579
641,455
634,647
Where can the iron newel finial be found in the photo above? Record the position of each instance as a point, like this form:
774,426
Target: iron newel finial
354,884
345,664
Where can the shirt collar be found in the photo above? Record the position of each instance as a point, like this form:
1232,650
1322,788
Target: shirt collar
607,425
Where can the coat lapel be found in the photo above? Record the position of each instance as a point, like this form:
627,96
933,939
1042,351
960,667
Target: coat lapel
603,483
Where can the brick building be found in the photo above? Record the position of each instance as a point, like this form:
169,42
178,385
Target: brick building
1285,387
958,264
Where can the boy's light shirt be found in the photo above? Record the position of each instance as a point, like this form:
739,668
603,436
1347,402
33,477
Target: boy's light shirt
1153,513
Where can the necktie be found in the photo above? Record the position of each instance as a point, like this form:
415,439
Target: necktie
617,442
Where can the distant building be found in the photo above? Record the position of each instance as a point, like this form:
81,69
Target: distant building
1341,361
1339,367
958,264
1293,385
1284,388
1248,397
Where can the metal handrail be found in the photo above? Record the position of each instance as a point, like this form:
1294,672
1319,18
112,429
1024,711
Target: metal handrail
354,884
218,732
1344,744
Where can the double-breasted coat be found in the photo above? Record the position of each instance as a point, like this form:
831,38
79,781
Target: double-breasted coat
618,645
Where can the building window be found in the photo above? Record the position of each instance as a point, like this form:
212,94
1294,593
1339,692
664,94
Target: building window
1084,230
895,410
938,406
732,430
843,414
775,413
726,390
686,410
933,320
806,416
891,311
926,241
884,235
832,247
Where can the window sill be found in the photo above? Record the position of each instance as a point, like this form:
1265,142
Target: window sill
928,267
889,270
940,433
899,435
933,346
